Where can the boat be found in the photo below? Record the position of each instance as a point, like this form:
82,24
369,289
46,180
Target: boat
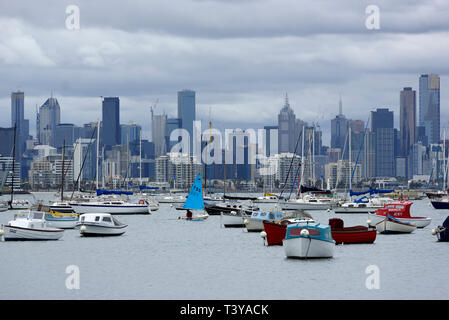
436,195
61,215
440,203
100,224
195,202
30,225
391,225
400,210
274,231
170,199
362,205
442,232
355,234
267,198
227,207
233,219
254,223
308,202
308,240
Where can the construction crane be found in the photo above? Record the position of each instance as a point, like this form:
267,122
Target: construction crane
153,107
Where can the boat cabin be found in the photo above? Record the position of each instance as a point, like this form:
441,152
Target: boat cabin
267,215
315,230
99,218
400,209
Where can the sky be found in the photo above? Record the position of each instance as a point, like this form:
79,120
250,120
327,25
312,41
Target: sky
240,56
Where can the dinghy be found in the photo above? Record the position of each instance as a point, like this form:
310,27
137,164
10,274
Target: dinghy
391,225
355,234
401,211
195,202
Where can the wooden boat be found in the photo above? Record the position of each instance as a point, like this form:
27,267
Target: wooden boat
391,225
308,240
30,225
100,224
355,234
401,211
60,215
274,231
195,202
442,232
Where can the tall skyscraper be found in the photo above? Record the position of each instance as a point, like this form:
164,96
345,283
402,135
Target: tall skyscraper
130,132
429,106
407,119
287,128
110,132
186,112
382,125
170,125
49,118
23,125
339,132
158,132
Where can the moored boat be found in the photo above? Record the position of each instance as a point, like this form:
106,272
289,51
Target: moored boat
274,231
440,203
355,234
442,232
61,215
400,210
308,240
111,206
254,223
30,225
100,224
233,219
391,225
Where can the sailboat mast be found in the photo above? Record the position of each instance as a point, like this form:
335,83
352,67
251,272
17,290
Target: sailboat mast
13,163
302,159
210,143
140,158
98,150
350,159
62,171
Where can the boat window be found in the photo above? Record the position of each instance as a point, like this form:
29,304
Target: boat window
390,206
399,207
312,232
107,219
263,214
254,214
271,216
97,218
82,219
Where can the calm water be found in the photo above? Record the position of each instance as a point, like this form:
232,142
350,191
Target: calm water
161,257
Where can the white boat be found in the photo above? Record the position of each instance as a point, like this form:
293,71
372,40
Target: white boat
400,210
100,224
30,225
21,204
195,202
254,223
391,225
170,199
308,240
266,198
362,207
308,202
111,206
233,219
61,215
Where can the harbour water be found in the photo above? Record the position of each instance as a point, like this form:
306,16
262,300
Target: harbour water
161,257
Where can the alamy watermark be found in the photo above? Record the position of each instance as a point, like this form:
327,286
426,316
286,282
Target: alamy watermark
373,280
372,21
72,22
73,280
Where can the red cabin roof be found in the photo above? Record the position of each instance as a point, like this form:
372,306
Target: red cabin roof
398,209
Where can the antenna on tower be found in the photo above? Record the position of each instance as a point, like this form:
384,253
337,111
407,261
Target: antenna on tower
340,107
153,106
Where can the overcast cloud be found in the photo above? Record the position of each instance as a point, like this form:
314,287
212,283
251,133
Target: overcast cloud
239,56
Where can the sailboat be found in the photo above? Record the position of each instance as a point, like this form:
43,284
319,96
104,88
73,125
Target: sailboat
195,202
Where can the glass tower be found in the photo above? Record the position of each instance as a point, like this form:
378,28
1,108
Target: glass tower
110,132
429,106
186,112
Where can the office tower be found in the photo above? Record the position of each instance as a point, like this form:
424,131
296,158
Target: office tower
271,140
382,125
187,113
67,132
287,129
49,118
429,106
158,131
130,132
110,131
85,152
339,132
357,126
170,125
407,120
18,117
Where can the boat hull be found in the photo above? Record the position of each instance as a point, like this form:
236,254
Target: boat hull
418,222
440,204
304,247
200,217
305,206
355,210
348,237
229,220
82,208
443,236
391,227
275,233
92,230
253,225
12,233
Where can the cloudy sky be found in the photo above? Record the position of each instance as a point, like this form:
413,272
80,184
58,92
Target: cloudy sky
240,56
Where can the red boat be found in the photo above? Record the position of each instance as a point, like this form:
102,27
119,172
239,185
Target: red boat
401,211
356,234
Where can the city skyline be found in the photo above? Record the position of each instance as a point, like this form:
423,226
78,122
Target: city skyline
235,64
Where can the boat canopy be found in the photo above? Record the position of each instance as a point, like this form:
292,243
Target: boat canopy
148,188
101,192
195,200
371,191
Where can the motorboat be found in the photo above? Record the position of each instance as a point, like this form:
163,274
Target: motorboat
234,219
254,223
61,215
391,225
20,204
274,231
170,199
401,211
267,198
442,232
111,206
195,202
362,205
30,225
100,224
308,202
308,240
354,234
227,207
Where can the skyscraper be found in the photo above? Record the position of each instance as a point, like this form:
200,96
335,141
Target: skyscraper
429,106
158,131
407,119
186,112
23,125
382,125
110,132
287,129
170,125
49,118
339,132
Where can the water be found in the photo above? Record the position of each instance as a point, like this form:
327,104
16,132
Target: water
161,257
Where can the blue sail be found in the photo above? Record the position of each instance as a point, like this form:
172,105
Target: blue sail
194,200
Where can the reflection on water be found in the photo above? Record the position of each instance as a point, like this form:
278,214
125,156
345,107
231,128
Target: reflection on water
161,257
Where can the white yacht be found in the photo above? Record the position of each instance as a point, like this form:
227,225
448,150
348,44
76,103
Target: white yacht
114,207
308,202
30,225
100,224
362,207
